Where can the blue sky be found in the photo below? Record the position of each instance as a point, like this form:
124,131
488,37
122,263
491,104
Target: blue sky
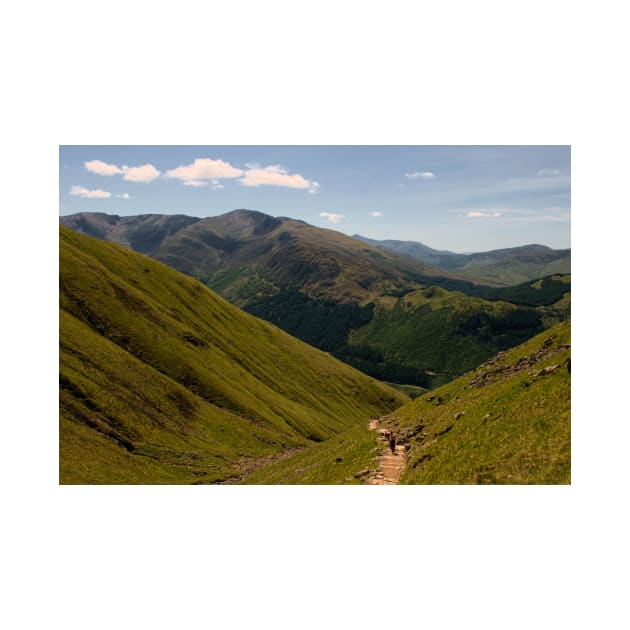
461,198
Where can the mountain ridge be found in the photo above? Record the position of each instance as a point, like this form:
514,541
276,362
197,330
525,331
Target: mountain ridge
506,266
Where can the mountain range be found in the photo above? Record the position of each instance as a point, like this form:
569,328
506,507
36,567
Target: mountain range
394,318
505,267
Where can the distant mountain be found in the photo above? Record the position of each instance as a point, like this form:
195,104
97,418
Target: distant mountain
247,254
163,381
502,266
372,308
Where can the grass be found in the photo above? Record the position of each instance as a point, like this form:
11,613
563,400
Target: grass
514,428
163,381
338,460
446,332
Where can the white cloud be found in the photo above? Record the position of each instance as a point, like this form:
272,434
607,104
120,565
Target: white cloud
331,217
80,191
203,170
479,214
548,172
123,196
102,168
421,175
376,214
195,182
145,173
276,175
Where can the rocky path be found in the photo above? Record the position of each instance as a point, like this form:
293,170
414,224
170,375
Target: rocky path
391,464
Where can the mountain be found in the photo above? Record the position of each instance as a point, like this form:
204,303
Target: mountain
394,318
163,381
142,233
501,266
246,254
506,422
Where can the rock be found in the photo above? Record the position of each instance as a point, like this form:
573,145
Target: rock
459,414
362,473
547,370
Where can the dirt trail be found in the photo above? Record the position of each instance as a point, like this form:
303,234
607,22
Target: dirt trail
391,464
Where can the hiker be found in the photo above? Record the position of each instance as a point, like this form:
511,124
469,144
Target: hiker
392,441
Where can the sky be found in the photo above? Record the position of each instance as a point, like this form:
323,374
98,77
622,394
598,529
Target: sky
458,198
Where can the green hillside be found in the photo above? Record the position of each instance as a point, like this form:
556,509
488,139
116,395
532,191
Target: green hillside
344,459
162,381
442,334
508,421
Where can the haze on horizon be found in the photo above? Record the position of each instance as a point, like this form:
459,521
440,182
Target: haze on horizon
458,198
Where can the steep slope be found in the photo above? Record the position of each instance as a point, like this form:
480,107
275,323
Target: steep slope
161,380
508,421
502,266
433,335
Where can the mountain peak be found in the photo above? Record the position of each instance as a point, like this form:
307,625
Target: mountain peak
242,223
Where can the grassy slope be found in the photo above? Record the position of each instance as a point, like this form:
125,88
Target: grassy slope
334,461
161,380
515,427
514,272
428,330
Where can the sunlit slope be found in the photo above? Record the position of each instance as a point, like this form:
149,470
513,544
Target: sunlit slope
161,380
445,333
508,421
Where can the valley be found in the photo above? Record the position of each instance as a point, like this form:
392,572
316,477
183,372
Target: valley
164,381
394,318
